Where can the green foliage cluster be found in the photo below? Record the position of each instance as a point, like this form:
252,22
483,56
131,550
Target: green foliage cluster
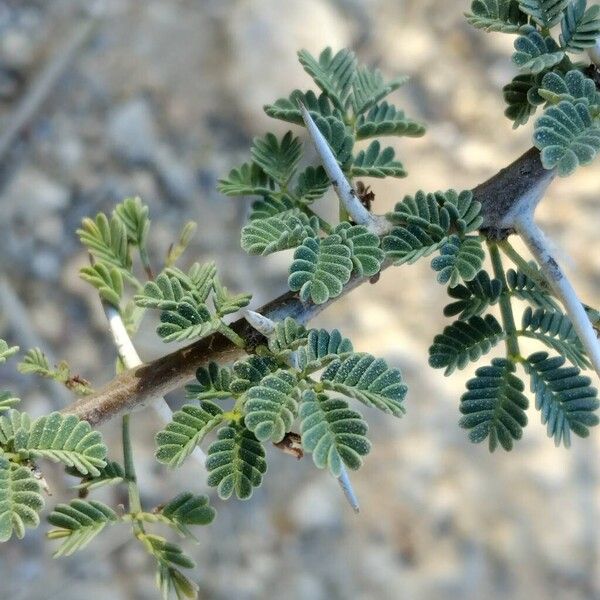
348,109
568,132
260,398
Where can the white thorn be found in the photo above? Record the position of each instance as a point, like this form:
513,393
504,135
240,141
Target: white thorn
348,490
261,323
348,197
131,359
539,246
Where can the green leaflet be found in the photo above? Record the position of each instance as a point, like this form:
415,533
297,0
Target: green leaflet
286,109
474,297
187,429
464,342
523,287
272,406
7,401
250,371
107,241
369,380
320,269
386,119
20,500
172,286
6,351
12,421
496,15
440,213
107,280
494,405
535,53
338,136
333,73
522,96
186,321
458,260
65,439
375,162
111,474
332,432
271,206
545,13
322,347
565,398
573,86
78,523
556,331
277,233
287,337
567,137
312,184
134,215
213,382
369,87
188,509
410,243
247,180
236,462
366,255
278,159
580,27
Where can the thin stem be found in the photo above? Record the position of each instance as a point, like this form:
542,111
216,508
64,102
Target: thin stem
508,318
133,491
146,262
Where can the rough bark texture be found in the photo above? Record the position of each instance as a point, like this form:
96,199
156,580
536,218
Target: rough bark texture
136,388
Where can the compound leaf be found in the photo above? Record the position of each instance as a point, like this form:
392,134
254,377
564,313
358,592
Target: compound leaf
78,523
107,241
545,13
333,73
332,432
567,137
464,342
564,397
367,379
134,215
247,180
188,509
236,462
107,280
312,184
496,15
369,87
278,159
20,500
322,347
375,162
580,27
474,297
573,86
494,405
65,439
386,119
556,331
213,382
188,428
272,406
6,351
459,259
535,53
366,255
320,269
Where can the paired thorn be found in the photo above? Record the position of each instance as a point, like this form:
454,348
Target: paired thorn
345,192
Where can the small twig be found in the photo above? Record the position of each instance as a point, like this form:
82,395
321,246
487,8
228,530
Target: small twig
267,326
539,246
131,359
346,193
45,83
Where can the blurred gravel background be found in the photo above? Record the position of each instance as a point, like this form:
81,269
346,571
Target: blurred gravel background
165,99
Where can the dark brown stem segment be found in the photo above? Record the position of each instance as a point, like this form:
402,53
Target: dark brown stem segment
138,387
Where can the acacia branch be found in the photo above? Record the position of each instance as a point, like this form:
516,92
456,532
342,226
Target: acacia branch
501,195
